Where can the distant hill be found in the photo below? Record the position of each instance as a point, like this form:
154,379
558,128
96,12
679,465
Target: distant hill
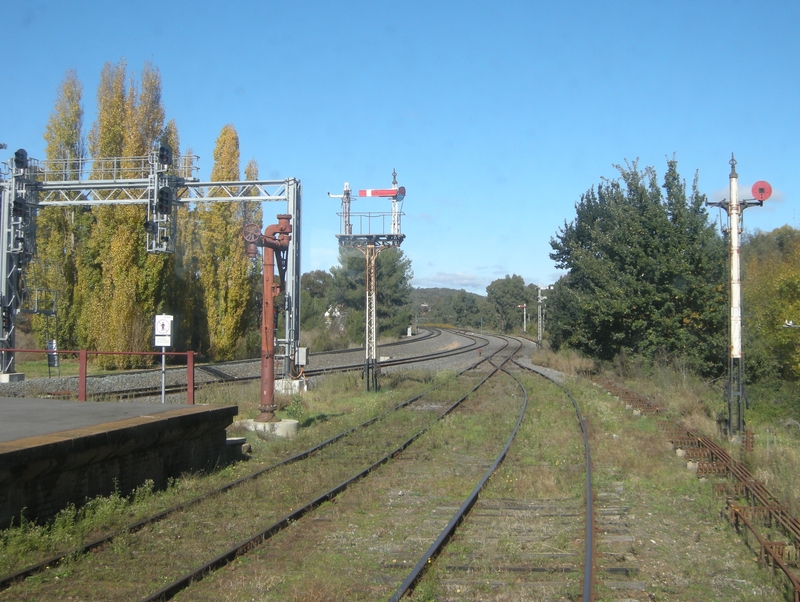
447,306
436,296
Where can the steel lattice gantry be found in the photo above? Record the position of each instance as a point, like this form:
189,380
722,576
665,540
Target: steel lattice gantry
158,181
371,245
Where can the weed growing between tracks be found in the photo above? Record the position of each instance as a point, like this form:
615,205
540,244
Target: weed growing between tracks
523,540
338,403
361,546
680,546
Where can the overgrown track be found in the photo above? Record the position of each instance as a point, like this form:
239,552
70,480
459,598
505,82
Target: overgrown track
493,554
767,526
102,545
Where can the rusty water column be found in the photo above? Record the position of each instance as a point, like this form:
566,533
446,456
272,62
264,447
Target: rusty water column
275,242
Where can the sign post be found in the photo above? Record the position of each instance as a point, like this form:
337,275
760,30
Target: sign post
163,334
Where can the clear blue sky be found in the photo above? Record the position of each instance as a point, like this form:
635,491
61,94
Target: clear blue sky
496,115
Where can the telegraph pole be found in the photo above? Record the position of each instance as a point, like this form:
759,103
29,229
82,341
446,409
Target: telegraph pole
734,207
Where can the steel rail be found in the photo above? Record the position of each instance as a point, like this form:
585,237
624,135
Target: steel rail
768,548
432,333
447,533
168,591
588,568
180,387
751,487
10,579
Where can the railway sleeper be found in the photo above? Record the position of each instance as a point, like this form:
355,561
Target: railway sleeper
697,453
735,489
705,469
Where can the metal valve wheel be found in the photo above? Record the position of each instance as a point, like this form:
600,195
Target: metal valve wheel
251,232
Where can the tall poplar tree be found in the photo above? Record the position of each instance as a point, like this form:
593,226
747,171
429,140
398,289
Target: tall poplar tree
125,283
59,229
223,265
252,212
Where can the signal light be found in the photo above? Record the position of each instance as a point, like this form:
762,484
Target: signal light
6,319
150,227
164,201
21,159
18,208
165,154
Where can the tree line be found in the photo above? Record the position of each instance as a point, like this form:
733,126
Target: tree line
106,287
646,271
648,275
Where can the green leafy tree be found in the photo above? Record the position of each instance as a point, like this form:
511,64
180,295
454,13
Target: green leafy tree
465,309
456,307
771,296
645,272
314,292
505,295
348,291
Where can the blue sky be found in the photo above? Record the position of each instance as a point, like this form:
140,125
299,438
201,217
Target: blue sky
496,115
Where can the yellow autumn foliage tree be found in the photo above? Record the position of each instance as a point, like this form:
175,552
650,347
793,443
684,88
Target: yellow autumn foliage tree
223,265
52,276
124,284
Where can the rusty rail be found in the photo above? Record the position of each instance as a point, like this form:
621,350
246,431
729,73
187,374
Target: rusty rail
713,460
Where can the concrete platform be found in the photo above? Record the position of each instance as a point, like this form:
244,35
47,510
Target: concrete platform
55,453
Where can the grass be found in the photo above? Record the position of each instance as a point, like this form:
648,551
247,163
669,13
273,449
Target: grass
335,405
696,404
683,549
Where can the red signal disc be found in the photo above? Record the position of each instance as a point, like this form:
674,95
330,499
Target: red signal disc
761,190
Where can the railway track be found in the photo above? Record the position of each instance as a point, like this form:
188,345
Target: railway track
387,511
511,545
100,545
356,515
250,370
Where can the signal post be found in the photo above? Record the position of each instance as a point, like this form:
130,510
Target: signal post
735,393
370,244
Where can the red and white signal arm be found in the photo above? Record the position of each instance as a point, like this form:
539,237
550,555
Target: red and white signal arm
400,193
163,331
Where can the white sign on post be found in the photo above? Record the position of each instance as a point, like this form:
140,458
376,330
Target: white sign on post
163,331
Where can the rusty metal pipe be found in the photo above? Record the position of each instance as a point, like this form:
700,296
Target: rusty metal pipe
275,239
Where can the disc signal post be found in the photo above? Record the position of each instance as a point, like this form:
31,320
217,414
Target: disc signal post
371,237
734,207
